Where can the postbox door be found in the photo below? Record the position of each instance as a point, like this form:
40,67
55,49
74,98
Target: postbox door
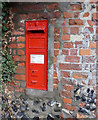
37,54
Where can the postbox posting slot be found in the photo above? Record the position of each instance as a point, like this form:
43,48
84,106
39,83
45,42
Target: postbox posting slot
36,31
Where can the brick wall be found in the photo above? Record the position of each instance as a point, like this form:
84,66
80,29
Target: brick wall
74,45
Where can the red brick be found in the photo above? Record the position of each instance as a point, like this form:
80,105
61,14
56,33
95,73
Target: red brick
15,83
66,66
55,86
74,30
65,30
14,52
55,14
72,59
56,37
33,15
23,16
91,30
20,39
96,8
85,52
73,51
55,81
69,107
76,15
65,74
53,6
13,39
56,46
20,45
55,59
13,45
21,64
55,74
18,32
68,45
66,94
20,52
19,58
67,15
86,14
56,52
52,21
76,22
64,81
67,100
65,37
68,87
78,43
20,70
95,15
19,77
65,52
80,75
56,30
92,45
97,30
74,7
91,23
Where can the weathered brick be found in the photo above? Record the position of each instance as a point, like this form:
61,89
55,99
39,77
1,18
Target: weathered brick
56,30
68,87
67,100
13,45
56,37
76,14
55,81
92,45
68,45
20,45
67,15
20,39
13,39
55,74
64,81
65,37
74,7
85,52
78,44
76,22
86,14
96,8
21,64
66,94
33,15
73,51
65,52
65,30
18,33
72,59
90,29
19,58
97,30
19,77
69,107
65,74
53,6
55,14
56,45
55,59
56,52
74,30
16,83
88,59
65,66
95,15
80,75
20,52
91,23
20,70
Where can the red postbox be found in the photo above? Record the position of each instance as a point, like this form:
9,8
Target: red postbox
37,54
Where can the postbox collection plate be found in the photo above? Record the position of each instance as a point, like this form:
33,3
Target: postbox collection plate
37,54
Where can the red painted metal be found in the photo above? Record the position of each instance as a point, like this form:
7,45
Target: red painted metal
37,54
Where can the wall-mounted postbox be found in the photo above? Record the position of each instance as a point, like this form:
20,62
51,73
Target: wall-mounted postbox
37,54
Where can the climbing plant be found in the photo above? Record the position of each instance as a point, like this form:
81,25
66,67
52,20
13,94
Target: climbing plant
8,65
